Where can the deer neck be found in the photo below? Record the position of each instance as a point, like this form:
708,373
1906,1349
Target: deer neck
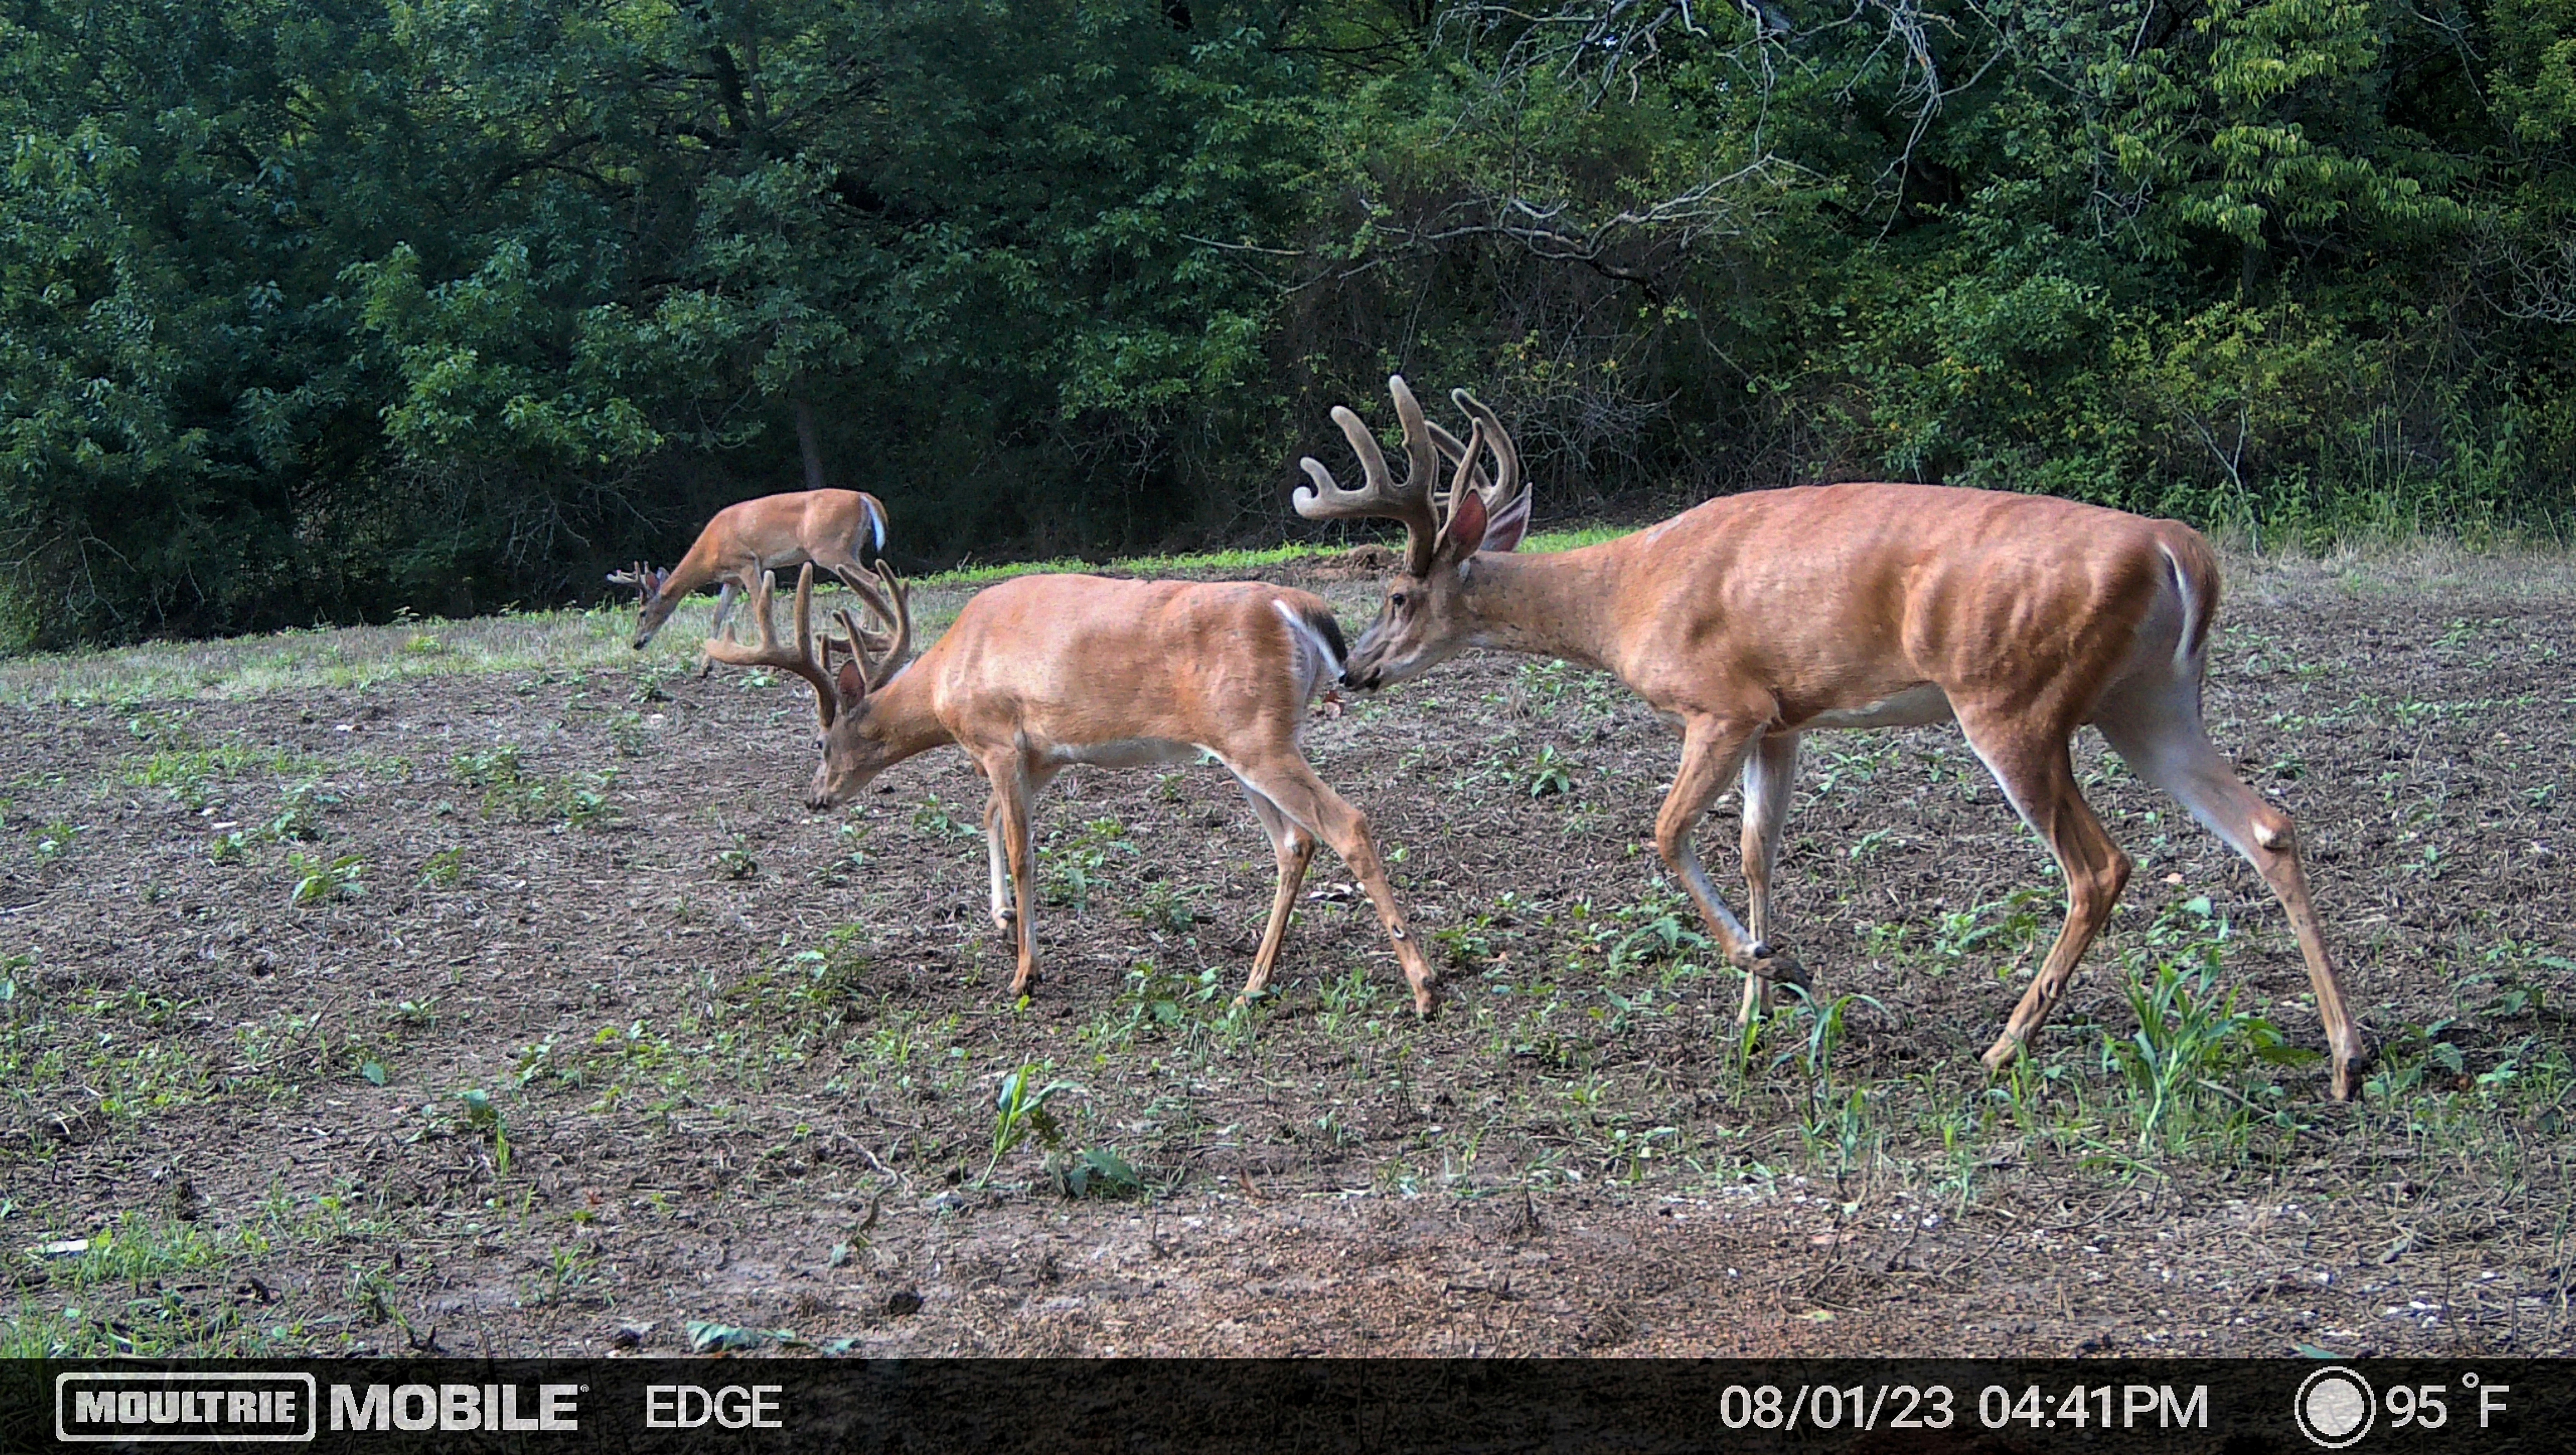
903,716
1550,606
701,565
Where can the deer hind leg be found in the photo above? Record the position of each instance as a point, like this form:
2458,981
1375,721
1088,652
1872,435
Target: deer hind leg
1712,751
2036,775
1294,848
1307,802
1769,770
2156,728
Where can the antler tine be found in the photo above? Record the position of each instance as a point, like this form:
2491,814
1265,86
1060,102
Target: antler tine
900,620
880,654
1456,451
636,576
798,659
1470,476
1379,495
1508,484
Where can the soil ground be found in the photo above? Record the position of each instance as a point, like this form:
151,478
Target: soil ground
525,1010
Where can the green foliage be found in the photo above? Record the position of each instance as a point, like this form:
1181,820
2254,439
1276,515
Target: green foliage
444,869
510,791
1074,867
482,1118
1099,1172
321,311
1020,1112
318,880
2192,1067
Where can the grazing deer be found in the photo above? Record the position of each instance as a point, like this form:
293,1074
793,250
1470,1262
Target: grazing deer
1755,618
826,527
1043,672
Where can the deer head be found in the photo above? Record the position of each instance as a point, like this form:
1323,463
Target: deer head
648,584
1425,618
849,754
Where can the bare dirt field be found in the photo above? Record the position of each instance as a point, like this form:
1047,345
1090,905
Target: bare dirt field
392,990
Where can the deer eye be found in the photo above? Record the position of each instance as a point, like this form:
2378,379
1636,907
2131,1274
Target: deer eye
1396,601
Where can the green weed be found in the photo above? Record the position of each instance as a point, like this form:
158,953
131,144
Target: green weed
320,881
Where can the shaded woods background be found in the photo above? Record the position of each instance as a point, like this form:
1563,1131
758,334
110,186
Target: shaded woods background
317,309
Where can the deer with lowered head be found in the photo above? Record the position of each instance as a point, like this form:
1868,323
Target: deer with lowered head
1754,619
1040,673
831,528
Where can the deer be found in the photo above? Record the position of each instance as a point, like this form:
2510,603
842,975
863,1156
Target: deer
1043,672
1753,619
827,527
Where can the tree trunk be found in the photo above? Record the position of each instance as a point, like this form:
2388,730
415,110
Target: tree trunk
812,447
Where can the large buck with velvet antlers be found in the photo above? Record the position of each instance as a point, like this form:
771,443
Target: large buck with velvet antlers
830,528
1756,618
1043,672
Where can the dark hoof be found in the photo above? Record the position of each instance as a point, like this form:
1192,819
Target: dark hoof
1779,967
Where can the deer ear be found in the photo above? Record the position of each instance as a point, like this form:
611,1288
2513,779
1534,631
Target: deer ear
1504,529
1465,532
852,686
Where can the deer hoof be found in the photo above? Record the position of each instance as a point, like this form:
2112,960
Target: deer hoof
2001,1055
1778,966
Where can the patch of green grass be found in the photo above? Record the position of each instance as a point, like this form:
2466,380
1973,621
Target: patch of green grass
1075,866
510,791
188,773
109,1300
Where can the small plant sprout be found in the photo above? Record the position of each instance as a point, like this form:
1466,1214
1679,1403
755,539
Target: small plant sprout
1548,773
444,869
320,881
483,1117
1020,1112
736,862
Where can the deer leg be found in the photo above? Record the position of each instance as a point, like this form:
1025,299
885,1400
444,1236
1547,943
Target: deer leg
726,595
2033,769
1009,811
2157,730
1310,804
997,856
1712,749
1769,770
1295,850
829,559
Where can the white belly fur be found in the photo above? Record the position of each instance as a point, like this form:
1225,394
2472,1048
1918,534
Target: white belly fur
1126,753
1914,707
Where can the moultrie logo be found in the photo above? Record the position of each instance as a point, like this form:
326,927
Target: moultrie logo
139,1408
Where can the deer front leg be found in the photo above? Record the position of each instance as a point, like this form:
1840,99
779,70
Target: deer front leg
1712,750
725,597
996,854
1008,812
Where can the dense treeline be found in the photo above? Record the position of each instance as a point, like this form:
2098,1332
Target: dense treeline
318,309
